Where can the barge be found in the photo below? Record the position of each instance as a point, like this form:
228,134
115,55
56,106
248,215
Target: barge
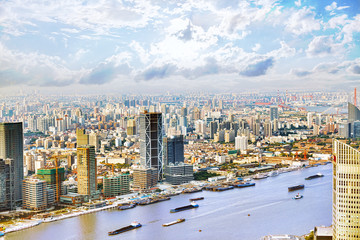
179,209
132,226
314,176
297,187
180,220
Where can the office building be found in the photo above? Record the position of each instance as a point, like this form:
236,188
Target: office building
87,171
116,185
346,192
11,146
151,145
94,140
144,178
173,150
6,185
131,127
179,173
34,194
82,137
274,113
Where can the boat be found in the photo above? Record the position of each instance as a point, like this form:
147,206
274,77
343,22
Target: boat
192,190
180,220
152,200
242,185
196,199
132,226
126,206
273,174
293,188
260,176
298,196
179,209
314,176
2,234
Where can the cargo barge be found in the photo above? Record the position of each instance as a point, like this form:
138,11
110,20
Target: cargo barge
297,187
180,220
218,188
151,201
192,190
179,209
126,206
196,199
314,176
132,226
242,185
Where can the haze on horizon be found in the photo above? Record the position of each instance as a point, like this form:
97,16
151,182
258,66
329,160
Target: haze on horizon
152,46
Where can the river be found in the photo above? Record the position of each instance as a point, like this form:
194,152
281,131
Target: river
221,215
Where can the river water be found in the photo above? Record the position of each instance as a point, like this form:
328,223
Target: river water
221,215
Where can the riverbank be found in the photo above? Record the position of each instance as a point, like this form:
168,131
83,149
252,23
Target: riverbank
167,189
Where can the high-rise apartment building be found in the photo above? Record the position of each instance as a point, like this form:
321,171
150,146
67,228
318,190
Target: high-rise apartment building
49,176
87,170
241,143
274,113
346,192
11,146
131,127
151,142
34,194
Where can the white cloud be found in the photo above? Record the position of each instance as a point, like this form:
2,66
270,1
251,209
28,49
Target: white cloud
298,3
256,47
302,21
322,46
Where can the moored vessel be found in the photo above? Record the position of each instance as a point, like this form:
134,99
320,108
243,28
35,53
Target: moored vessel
180,220
126,206
242,185
132,226
260,176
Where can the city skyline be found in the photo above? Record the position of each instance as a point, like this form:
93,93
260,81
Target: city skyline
138,46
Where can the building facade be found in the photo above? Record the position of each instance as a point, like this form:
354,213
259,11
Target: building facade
179,174
49,176
11,146
87,170
144,178
173,150
346,192
7,185
34,194
116,185
151,142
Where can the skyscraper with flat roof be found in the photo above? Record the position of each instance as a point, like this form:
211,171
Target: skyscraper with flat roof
346,192
87,169
353,113
173,150
274,113
151,142
11,146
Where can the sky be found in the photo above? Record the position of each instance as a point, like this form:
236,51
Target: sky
151,46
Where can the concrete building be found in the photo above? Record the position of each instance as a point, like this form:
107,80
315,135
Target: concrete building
11,146
353,113
34,194
151,142
7,185
87,171
94,140
131,127
144,178
346,192
116,185
241,143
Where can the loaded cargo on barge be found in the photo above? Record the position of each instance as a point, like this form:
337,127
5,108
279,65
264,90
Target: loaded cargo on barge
297,187
179,209
314,176
132,226
180,220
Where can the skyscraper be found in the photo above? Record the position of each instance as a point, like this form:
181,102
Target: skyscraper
6,185
81,137
11,146
173,150
151,144
353,113
86,167
346,192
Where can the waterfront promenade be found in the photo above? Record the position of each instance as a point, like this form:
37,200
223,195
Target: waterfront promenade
222,214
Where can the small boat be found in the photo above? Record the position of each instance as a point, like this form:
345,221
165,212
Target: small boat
273,174
2,234
298,196
180,220
242,185
179,209
260,176
132,226
196,199
126,206
293,188
314,176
